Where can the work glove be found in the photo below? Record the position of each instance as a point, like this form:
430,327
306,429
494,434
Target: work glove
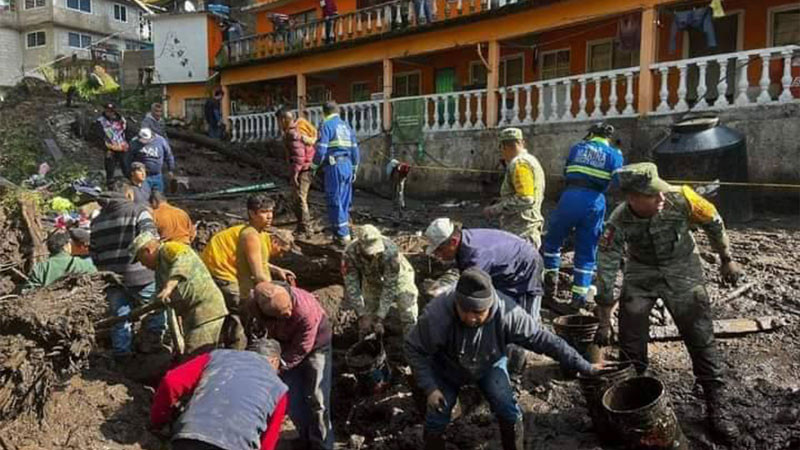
365,324
436,401
731,272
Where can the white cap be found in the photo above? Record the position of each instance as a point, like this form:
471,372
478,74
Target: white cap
438,232
145,134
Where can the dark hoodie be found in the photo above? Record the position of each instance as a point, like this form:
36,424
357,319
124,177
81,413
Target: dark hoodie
442,346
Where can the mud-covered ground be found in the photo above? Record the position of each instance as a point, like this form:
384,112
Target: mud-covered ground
101,407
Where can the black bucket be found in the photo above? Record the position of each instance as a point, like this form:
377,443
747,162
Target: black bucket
578,330
593,387
638,409
367,359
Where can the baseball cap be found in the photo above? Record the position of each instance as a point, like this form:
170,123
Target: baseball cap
370,238
640,177
145,134
139,243
511,134
438,232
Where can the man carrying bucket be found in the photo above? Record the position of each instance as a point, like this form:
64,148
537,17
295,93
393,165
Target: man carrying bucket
295,318
461,338
653,224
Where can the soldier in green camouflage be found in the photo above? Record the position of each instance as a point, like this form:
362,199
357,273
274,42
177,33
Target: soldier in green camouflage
185,284
378,277
522,192
652,229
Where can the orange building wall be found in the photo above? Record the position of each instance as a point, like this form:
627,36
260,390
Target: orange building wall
264,25
177,93
214,39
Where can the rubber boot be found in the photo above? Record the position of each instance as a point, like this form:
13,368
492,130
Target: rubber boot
512,434
722,426
550,284
433,441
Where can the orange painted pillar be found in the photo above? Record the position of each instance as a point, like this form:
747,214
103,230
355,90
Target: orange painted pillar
388,85
492,81
301,94
647,56
226,104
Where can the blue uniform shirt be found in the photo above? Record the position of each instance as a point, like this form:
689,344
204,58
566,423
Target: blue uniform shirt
336,139
593,161
153,154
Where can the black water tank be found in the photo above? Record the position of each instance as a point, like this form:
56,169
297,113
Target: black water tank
699,149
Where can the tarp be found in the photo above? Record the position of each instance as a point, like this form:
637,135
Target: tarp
407,122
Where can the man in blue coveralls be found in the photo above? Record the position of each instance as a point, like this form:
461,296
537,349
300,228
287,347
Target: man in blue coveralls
581,208
337,152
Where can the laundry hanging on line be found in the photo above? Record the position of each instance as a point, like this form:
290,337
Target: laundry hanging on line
699,19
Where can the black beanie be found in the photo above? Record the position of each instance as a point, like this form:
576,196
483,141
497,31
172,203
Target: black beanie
474,291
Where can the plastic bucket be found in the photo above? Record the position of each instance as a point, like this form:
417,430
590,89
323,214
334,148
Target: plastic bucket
578,330
593,387
638,409
367,360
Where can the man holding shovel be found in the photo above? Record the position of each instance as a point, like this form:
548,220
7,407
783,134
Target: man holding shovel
184,284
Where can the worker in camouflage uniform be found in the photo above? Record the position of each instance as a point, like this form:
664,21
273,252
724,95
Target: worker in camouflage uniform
378,277
652,227
184,283
522,192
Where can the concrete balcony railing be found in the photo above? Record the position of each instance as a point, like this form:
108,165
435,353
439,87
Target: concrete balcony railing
394,17
589,96
729,80
365,118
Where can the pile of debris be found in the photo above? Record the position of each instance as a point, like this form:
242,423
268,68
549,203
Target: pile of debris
47,337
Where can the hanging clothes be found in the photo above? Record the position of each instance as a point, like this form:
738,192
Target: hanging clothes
699,19
716,7
629,32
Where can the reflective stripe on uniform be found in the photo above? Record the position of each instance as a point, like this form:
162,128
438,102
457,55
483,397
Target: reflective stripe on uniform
575,269
602,174
552,255
582,290
340,143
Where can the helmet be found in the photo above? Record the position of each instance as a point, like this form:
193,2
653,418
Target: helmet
601,129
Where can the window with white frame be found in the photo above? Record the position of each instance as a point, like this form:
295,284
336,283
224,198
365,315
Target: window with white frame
120,13
606,54
145,27
36,39
406,84
80,5
32,4
79,40
785,26
359,91
554,64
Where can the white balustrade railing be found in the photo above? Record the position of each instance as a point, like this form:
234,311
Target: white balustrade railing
722,81
452,111
254,127
597,95
365,118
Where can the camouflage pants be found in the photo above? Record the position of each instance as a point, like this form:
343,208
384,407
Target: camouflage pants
692,314
404,306
526,229
202,338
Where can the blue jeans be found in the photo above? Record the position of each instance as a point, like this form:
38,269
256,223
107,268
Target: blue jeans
423,8
495,386
310,398
582,210
120,302
156,182
339,195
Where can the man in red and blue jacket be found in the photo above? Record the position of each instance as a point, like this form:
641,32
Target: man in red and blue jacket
337,153
233,400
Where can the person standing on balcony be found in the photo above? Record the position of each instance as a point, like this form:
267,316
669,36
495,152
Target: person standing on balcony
423,8
337,153
299,137
582,208
213,115
113,126
329,13
522,191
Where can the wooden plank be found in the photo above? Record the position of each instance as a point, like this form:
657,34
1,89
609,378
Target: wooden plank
723,328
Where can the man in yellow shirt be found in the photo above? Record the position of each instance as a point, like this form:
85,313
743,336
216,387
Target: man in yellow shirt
522,192
220,254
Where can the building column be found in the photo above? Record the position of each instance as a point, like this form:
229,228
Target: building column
301,94
226,104
647,56
388,86
492,81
